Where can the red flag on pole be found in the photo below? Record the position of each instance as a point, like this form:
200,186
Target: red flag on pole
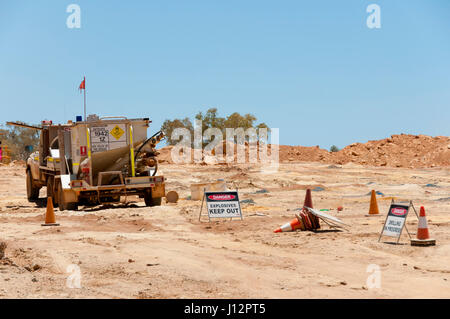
83,85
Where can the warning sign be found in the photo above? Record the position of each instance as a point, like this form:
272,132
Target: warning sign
395,220
223,204
117,132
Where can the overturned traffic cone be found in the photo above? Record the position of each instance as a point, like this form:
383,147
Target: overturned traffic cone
423,236
50,219
293,225
373,210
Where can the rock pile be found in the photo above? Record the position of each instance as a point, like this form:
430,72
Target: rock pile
410,151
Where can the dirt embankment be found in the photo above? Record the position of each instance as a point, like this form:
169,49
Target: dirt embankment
411,151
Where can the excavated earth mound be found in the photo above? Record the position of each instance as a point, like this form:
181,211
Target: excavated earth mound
411,151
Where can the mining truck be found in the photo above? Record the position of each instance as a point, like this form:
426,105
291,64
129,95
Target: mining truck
96,161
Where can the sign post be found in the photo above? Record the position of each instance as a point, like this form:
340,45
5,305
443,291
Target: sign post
221,205
396,220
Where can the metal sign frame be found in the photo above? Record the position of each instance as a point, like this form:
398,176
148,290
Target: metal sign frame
209,217
331,221
409,205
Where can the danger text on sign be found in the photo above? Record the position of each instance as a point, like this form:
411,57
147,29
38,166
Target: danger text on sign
223,204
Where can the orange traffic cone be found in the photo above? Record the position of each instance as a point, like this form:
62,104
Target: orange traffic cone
315,224
422,231
308,200
373,210
50,219
306,221
293,225
423,236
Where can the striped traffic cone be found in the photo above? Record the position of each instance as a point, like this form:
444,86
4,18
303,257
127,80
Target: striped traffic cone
423,236
293,225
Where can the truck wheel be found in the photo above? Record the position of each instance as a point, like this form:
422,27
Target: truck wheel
51,190
32,191
63,205
150,201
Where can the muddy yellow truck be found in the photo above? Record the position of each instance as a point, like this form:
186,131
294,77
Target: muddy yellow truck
96,161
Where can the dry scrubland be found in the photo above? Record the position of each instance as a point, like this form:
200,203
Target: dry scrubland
165,252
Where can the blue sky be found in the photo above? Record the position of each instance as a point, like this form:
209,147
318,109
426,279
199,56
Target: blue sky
313,69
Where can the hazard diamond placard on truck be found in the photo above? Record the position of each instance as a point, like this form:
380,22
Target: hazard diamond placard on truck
108,137
223,204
